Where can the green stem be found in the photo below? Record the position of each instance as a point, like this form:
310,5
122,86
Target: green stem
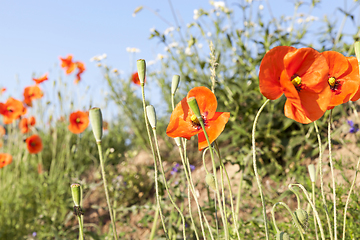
297,224
154,226
313,196
165,183
313,207
216,183
348,198
256,172
332,174
191,216
81,230
320,167
105,188
155,163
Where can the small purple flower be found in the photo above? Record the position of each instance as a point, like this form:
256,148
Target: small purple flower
34,234
175,169
353,127
192,167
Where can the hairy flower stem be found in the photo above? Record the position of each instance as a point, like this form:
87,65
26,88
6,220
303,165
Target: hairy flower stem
322,180
216,183
313,208
332,174
297,224
348,198
106,189
165,183
154,226
81,228
155,163
313,199
256,172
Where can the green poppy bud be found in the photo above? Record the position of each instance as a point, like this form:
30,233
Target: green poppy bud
76,193
302,217
96,123
312,172
151,114
141,67
194,107
282,236
210,181
175,84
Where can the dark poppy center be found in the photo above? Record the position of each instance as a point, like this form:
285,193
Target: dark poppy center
334,83
33,144
196,123
78,120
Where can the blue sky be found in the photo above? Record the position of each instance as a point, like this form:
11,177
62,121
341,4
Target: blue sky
34,34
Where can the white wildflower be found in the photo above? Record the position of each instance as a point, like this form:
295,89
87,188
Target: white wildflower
200,45
209,34
188,51
196,14
132,50
168,30
261,7
152,62
160,56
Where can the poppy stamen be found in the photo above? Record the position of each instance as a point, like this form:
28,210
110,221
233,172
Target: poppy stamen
78,120
195,122
296,81
334,84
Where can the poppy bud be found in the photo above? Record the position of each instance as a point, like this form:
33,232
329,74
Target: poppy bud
76,193
175,84
302,217
194,107
210,181
96,123
151,114
312,172
141,67
282,236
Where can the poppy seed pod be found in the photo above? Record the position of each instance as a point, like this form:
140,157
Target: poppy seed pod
312,172
151,114
141,67
175,84
96,123
282,236
76,193
302,217
210,181
194,107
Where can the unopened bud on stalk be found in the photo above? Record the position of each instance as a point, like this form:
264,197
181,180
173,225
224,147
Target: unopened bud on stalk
282,236
175,84
312,172
151,114
194,107
76,193
96,123
302,217
210,181
141,67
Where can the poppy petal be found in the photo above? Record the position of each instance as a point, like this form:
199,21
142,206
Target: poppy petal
338,64
206,100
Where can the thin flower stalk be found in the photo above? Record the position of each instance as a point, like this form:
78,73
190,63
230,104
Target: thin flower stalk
332,175
165,182
313,196
292,216
191,216
348,198
154,226
313,208
256,172
319,167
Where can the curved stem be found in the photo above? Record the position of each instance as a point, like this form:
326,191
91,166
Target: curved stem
255,169
313,207
348,198
106,189
165,183
332,174
320,168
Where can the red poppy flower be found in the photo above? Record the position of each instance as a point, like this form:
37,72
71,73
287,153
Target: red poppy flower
81,68
25,123
135,78
34,144
31,93
183,122
2,90
343,78
79,121
5,159
300,74
67,64
41,79
11,110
